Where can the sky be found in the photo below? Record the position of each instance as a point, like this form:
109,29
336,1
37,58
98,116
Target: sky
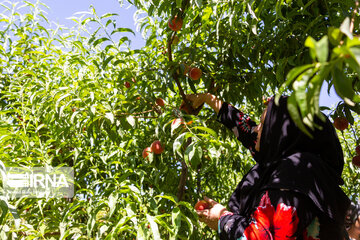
61,10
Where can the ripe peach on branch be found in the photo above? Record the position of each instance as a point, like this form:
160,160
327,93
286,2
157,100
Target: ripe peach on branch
175,23
341,123
127,84
356,160
160,102
146,152
195,73
157,147
357,150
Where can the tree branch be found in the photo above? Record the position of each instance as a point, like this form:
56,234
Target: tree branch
354,15
175,75
198,179
182,182
136,113
183,175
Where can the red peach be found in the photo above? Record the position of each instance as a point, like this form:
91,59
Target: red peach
175,24
356,160
157,147
195,73
146,152
341,123
357,150
127,84
201,205
160,102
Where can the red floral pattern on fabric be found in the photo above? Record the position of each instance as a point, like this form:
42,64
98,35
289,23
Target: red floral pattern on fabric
285,222
271,224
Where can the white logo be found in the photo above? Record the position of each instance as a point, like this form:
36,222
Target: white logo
39,182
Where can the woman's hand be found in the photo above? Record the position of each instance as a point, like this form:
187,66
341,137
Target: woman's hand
211,216
196,100
199,99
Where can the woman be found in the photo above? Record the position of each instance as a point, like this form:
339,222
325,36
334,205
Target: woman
293,190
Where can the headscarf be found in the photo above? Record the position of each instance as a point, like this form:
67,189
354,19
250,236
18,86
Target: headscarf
289,159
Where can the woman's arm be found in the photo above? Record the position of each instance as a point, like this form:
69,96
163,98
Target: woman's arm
235,120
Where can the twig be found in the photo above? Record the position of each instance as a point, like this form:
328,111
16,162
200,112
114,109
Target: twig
184,173
138,113
175,75
354,15
145,117
354,132
182,182
198,179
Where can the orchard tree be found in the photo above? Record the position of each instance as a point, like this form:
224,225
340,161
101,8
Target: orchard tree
86,99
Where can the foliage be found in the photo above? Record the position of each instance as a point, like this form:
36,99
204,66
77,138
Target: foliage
64,102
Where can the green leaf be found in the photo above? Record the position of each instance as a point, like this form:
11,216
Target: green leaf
311,44
140,235
166,197
343,86
353,64
176,219
356,53
295,116
100,40
61,98
290,78
353,42
348,115
345,28
299,87
189,153
13,212
26,72
278,7
192,85
206,129
322,49
4,211
318,49
199,3
334,35
197,157
131,120
178,143
107,60
175,124
107,15
110,116
123,30
178,3
153,226
206,14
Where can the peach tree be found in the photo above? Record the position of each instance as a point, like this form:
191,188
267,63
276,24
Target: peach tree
84,98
